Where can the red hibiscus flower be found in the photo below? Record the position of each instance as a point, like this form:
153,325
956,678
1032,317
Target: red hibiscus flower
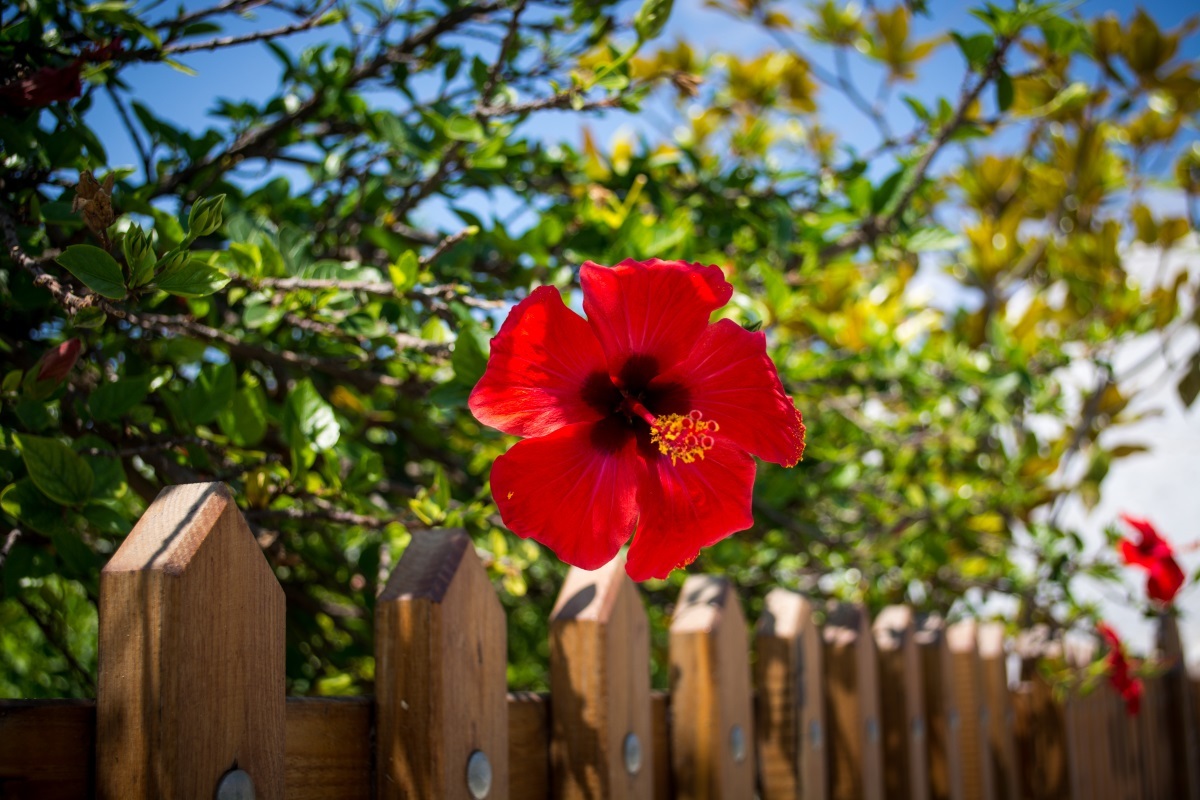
1119,675
640,420
1155,555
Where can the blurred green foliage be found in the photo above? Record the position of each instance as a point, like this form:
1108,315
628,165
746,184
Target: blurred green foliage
305,334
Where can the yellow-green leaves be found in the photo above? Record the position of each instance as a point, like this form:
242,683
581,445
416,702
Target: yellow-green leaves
57,470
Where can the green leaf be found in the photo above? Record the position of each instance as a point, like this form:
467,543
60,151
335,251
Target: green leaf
114,399
309,424
651,18
1189,385
470,354
1004,91
245,421
76,556
23,502
210,394
60,473
192,278
404,272
90,317
464,129
976,49
99,271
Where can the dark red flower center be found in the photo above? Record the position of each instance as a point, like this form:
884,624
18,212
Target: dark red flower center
659,416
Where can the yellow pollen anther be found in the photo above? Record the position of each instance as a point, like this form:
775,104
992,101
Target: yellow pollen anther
683,438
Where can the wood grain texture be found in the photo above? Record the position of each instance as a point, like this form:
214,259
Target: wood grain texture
710,693
941,712
660,708
1182,733
852,705
328,753
440,672
902,705
191,650
600,686
47,749
529,746
967,685
1001,748
790,713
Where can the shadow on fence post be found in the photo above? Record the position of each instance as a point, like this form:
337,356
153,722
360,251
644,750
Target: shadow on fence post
602,742
191,654
791,703
712,749
852,697
441,707
1001,748
1182,736
902,705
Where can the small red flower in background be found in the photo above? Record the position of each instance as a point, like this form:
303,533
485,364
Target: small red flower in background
1129,687
1155,555
56,363
640,420
55,84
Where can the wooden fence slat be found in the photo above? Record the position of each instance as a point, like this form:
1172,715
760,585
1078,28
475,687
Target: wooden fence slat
191,648
1182,737
941,713
600,688
1040,725
902,705
328,749
440,672
1081,740
852,705
712,720
47,749
962,641
1000,747
660,707
791,708
528,746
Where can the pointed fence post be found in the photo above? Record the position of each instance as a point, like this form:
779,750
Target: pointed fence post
902,704
852,697
790,714
1182,736
712,750
191,689
1001,748
602,740
941,712
441,706
962,641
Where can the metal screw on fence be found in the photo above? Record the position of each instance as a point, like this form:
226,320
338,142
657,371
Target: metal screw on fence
235,785
479,775
814,734
633,753
918,727
737,743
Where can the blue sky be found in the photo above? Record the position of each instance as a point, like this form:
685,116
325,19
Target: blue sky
251,73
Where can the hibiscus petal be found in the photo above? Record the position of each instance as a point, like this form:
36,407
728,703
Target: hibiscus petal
687,507
574,491
648,314
729,378
1165,579
1152,544
546,370
1134,555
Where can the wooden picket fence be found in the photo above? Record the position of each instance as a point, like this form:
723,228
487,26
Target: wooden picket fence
191,695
